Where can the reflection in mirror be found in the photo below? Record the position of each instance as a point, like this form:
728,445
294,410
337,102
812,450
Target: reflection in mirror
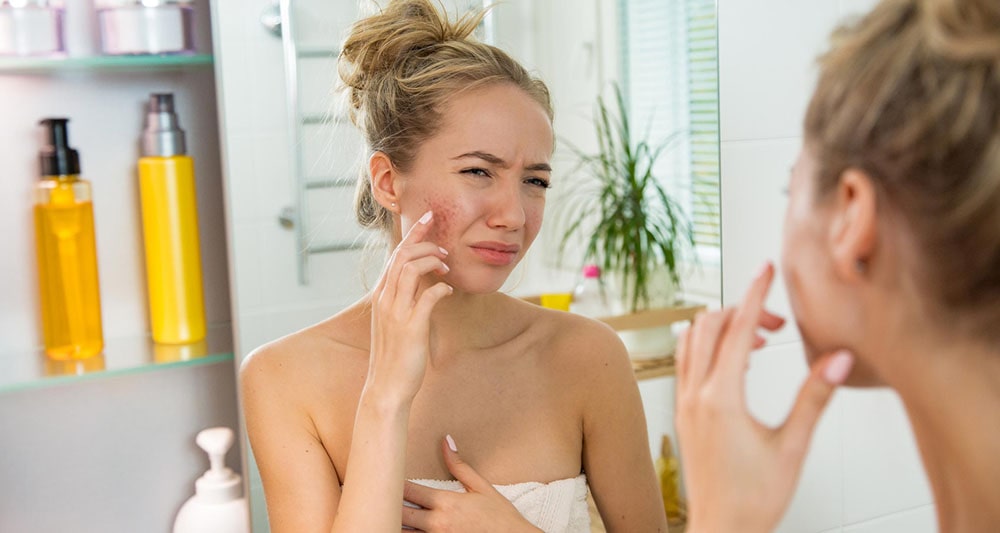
292,162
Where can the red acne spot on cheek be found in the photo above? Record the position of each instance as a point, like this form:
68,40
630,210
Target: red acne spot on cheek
441,225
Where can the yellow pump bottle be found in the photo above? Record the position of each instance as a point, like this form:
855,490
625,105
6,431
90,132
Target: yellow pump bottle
67,252
170,228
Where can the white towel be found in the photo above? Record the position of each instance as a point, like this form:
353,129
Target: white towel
556,507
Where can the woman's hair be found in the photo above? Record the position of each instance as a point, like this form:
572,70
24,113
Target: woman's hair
910,94
400,68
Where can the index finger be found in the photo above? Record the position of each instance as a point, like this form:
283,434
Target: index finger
419,230
416,234
738,341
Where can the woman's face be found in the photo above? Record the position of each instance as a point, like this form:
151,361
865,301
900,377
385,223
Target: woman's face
826,308
484,174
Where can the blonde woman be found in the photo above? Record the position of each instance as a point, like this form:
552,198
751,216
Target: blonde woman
892,263
434,362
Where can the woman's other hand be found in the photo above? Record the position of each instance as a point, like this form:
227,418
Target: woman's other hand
401,315
481,508
740,473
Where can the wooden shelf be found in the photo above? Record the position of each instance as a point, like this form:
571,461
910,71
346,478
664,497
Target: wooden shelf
653,368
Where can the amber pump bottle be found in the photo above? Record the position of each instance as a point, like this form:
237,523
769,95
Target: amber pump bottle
170,228
67,251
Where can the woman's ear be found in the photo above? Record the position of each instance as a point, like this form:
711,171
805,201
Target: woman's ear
854,226
384,181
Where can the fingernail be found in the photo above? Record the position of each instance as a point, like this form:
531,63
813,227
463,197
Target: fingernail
446,267
838,368
763,270
451,443
445,252
427,217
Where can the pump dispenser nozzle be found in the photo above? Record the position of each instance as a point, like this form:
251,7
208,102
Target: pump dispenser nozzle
218,505
219,483
57,158
163,136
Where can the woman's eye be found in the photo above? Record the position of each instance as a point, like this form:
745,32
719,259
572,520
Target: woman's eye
539,182
476,172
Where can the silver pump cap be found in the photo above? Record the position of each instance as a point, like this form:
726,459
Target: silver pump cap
163,136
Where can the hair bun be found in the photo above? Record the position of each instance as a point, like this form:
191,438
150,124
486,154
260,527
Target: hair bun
964,30
385,42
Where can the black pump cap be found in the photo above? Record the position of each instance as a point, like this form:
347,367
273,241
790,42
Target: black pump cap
57,158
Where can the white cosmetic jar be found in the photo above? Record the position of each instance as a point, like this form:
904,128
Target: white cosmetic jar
145,26
31,27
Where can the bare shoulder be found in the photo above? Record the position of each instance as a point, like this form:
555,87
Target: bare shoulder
314,360
577,345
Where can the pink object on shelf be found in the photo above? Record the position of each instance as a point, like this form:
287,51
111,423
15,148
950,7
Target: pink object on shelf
591,271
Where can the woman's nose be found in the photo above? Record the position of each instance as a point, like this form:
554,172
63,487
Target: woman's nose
507,209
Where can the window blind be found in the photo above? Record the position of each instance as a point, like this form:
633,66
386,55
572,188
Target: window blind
670,78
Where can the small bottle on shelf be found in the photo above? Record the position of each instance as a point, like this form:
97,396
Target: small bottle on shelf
67,252
170,228
588,296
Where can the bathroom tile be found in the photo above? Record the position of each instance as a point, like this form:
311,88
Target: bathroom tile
267,61
882,469
237,89
330,215
241,177
754,177
767,55
773,380
275,187
918,520
333,277
246,287
317,76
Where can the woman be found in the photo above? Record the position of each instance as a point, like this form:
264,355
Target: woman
434,359
892,263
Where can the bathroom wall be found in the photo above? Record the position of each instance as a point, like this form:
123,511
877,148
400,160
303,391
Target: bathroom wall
110,454
863,473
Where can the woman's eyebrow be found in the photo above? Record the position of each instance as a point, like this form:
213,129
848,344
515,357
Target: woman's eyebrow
498,161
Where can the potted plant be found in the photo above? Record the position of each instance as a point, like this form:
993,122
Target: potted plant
631,228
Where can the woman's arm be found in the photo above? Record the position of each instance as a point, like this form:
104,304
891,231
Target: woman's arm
303,492
301,484
616,455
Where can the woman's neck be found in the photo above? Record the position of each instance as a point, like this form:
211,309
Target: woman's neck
462,322
951,392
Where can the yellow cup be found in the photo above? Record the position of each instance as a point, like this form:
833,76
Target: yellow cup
557,300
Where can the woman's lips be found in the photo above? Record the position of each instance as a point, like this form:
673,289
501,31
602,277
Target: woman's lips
499,254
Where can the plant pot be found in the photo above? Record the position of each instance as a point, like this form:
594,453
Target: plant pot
646,343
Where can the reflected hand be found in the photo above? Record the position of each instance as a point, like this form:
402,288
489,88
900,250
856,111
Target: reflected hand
740,473
401,314
480,509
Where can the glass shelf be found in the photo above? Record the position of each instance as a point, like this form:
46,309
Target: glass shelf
41,65
125,356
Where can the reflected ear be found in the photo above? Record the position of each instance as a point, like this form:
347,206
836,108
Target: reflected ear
384,181
854,227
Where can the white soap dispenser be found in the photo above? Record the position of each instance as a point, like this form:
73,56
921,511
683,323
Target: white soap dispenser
218,505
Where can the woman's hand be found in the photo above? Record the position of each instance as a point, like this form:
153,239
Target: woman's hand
481,508
401,315
741,474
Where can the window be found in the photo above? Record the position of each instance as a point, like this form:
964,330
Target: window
670,80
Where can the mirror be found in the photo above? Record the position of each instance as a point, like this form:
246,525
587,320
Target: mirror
290,162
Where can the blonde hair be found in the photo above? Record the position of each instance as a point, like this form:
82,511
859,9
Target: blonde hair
400,68
910,94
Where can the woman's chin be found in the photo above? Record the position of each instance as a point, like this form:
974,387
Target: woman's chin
862,374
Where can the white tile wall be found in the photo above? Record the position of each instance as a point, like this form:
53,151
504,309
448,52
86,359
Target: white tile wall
766,54
755,175
918,520
882,468
863,472
774,378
